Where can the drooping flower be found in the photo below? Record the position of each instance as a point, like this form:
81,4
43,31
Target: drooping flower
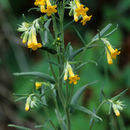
69,73
85,19
41,4
27,105
79,11
111,53
50,8
117,106
74,79
32,40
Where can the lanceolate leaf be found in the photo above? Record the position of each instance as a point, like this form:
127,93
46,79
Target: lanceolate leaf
119,95
76,53
101,32
77,95
85,110
36,74
19,127
79,35
81,65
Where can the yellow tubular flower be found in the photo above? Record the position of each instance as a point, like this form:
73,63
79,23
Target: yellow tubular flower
32,42
38,85
117,112
50,8
72,77
27,106
109,58
80,10
75,17
85,19
66,75
41,3
113,52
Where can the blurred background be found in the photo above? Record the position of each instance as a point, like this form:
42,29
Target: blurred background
111,78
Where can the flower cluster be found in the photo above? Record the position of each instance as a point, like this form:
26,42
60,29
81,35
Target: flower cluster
31,102
29,34
79,11
46,7
111,53
72,77
117,106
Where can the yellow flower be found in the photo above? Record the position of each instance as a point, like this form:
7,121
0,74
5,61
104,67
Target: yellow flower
32,41
80,10
72,77
85,19
46,7
27,106
117,106
109,58
38,85
50,8
111,53
76,17
41,3
117,112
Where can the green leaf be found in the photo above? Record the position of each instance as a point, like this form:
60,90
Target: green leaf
21,98
50,50
85,110
68,50
113,30
19,127
79,35
36,74
75,53
81,65
119,95
68,24
60,119
77,95
101,32
53,63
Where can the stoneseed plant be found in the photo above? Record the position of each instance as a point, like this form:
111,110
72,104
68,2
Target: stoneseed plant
61,82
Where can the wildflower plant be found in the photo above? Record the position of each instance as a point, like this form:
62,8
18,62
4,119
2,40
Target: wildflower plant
61,86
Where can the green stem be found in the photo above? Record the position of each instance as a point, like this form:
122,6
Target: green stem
52,70
96,113
68,118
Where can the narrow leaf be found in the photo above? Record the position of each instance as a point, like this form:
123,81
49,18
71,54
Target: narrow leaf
101,32
21,98
77,95
81,65
119,95
76,53
19,127
85,110
36,74
79,35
